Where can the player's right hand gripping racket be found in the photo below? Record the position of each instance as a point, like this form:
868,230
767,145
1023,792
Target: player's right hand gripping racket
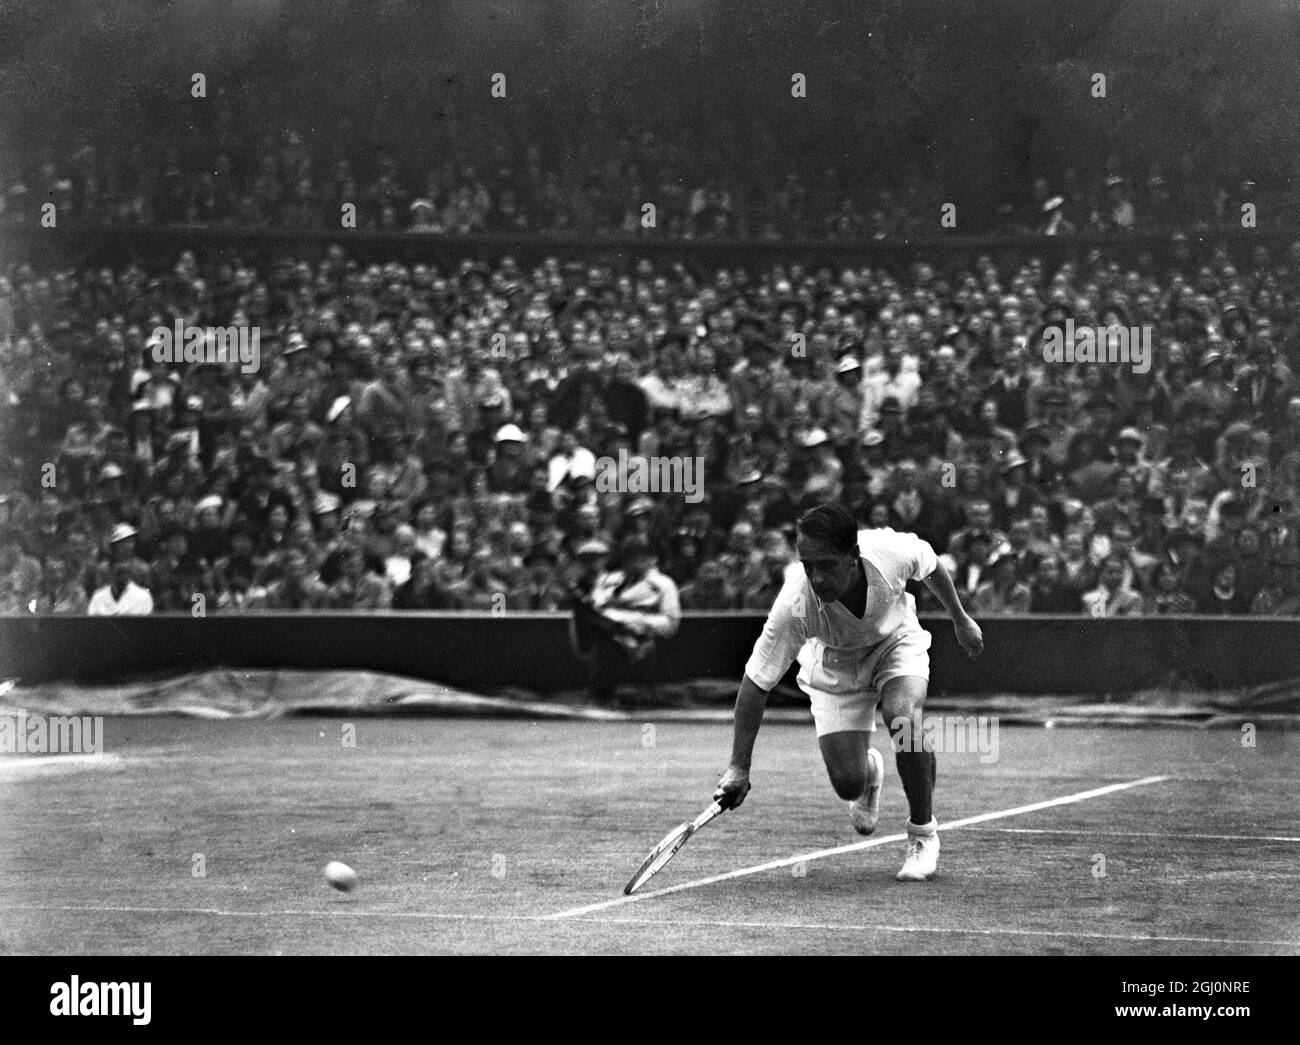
674,840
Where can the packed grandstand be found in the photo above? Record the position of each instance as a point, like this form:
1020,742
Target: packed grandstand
416,435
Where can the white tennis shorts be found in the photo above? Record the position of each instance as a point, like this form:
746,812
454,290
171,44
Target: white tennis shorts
844,684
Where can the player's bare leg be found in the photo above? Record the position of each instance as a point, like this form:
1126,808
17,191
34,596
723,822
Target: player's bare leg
856,771
901,701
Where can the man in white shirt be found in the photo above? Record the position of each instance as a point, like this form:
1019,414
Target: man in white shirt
847,617
894,381
122,597
570,461
627,612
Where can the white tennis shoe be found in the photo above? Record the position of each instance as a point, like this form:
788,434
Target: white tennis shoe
865,811
922,861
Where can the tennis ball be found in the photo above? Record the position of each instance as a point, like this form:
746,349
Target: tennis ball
341,876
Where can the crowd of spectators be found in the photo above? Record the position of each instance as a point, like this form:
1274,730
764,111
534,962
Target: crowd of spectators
229,177
419,438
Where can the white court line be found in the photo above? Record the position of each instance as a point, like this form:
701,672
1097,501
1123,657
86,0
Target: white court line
345,912
1142,834
19,765
821,854
217,912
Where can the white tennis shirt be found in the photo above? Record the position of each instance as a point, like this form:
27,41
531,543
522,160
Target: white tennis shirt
799,618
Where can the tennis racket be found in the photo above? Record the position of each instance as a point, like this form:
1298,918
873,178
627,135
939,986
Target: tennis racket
673,842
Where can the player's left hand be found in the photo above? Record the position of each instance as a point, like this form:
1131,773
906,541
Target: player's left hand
969,636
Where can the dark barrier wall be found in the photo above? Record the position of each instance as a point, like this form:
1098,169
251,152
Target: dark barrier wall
480,651
86,245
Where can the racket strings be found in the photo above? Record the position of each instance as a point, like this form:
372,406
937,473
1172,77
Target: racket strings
663,852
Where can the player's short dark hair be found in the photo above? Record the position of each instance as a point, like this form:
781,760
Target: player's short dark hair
832,524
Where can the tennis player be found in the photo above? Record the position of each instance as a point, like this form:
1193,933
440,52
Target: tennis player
845,615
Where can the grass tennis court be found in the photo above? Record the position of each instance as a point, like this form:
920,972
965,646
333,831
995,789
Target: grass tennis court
491,836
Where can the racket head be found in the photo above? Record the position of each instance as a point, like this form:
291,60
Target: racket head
658,856
675,839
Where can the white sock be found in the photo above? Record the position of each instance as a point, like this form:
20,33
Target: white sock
923,830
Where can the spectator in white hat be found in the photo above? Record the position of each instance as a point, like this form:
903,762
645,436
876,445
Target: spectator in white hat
844,405
1130,445
121,547
824,474
511,469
